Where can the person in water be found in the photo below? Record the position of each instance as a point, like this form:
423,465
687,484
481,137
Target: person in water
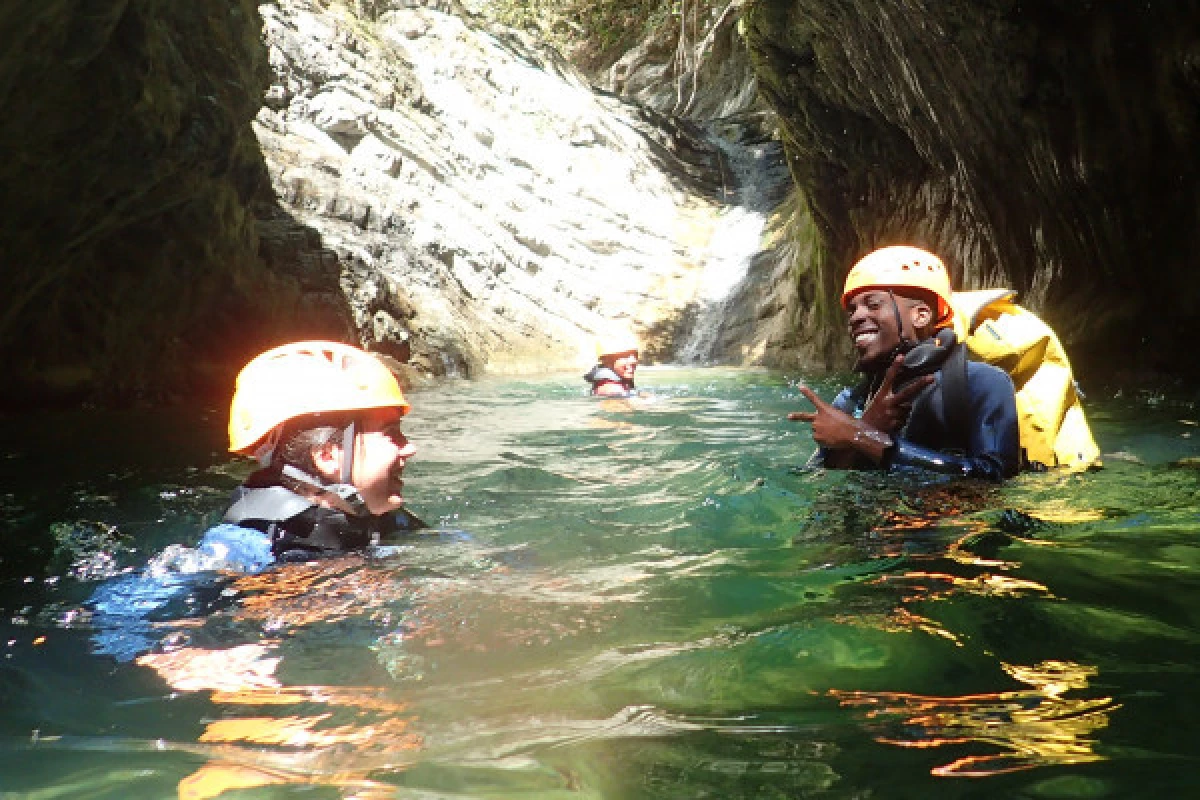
921,403
323,421
612,376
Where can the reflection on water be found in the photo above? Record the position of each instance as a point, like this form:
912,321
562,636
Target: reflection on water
1037,727
276,735
623,599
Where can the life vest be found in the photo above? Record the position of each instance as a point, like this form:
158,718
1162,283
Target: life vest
601,374
300,528
996,330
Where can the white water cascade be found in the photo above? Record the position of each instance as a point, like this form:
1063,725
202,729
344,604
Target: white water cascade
734,243
754,172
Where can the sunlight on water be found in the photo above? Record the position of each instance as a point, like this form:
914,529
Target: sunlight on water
620,599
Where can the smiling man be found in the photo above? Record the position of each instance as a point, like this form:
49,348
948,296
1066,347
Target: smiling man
921,403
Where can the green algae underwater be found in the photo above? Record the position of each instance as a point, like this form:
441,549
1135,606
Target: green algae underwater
619,599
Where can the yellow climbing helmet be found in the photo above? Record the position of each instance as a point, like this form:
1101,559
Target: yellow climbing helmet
901,266
305,378
616,344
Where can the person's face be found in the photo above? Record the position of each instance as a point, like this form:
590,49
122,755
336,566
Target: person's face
872,325
625,365
381,451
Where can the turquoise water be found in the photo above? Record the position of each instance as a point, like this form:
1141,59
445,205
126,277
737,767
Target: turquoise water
625,599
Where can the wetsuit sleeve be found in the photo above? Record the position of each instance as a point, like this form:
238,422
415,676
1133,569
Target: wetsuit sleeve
845,402
127,610
993,439
236,548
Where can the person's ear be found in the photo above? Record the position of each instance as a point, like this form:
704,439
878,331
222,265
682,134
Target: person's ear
328,460
921,315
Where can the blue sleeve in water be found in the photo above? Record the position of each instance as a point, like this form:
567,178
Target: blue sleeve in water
240,549
125,608
846,402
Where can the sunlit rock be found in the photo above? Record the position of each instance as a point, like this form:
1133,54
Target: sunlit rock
189,185
481,189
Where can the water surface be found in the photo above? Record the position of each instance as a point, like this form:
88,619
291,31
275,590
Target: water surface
623,599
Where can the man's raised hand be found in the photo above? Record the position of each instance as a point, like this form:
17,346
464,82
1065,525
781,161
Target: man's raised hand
888,410
839,433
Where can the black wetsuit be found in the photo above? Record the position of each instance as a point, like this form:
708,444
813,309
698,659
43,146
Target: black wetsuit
264,526
988,445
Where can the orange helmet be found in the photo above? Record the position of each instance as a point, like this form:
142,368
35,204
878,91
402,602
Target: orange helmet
305,378
901,266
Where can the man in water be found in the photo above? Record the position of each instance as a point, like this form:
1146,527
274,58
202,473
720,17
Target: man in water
613,374
961,419
323,421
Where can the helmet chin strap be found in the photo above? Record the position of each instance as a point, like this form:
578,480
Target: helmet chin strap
905,344
342,496
902,347
349,436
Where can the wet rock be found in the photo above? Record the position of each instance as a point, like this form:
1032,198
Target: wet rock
479,192
191,185
1046,147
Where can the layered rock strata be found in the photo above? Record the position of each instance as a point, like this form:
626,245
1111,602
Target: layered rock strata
189,186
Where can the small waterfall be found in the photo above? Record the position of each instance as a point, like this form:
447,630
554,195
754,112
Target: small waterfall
734,243
754,173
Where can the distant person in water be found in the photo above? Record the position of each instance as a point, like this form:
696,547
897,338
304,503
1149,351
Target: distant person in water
612,376
921,403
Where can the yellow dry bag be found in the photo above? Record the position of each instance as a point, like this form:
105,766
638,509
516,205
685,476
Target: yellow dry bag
996,330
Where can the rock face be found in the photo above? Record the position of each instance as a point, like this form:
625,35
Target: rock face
190,186
703,72
186,185
126,187
1049,147
489,209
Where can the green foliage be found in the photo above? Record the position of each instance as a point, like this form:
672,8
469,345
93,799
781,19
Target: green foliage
590,30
